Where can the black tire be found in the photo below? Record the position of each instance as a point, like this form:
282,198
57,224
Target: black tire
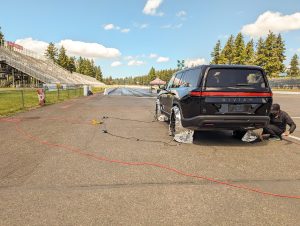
157,109
238,134
175,121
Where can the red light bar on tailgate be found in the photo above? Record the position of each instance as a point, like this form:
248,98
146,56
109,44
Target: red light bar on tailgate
230,94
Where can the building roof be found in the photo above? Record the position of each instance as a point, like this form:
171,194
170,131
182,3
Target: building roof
157,81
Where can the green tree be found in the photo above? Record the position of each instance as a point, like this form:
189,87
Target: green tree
1,37
98,74
51,52
280,49
250,54
151,74
63,59
71,64
273,64
239,53
216,53
294,66
227,54
260,56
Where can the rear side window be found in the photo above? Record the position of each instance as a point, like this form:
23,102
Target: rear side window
177,80
235,79
190,78
171,81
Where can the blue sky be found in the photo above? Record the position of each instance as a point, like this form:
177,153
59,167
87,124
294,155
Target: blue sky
131,36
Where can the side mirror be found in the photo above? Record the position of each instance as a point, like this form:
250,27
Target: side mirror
163,87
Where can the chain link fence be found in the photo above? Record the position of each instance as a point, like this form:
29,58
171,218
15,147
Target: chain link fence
14,100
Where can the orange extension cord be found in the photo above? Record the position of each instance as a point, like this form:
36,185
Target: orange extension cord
18,128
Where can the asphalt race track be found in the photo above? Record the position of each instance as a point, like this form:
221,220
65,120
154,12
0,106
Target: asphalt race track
59,167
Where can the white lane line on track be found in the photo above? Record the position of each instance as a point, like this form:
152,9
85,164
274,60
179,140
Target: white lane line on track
296,138
286,92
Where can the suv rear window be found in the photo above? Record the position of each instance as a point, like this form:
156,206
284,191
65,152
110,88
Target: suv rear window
223,78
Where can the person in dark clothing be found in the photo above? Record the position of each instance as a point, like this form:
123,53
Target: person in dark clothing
278,121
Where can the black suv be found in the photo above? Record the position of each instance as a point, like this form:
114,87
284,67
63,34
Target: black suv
217,97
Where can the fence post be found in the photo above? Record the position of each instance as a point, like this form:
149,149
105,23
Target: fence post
57,93
22,99
68,93
45,95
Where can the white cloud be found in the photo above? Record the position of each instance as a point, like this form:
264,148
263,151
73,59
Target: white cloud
128,58
151,8
135,63
181,13
74,48
109,27
194,62
115,27
171,26
90,50
116,64
272,21
178,26
153,55
167,26
162,59
33,45
125,30
142,26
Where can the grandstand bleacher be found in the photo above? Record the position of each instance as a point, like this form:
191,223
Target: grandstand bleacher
25,63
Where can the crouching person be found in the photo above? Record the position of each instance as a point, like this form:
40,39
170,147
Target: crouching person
278,122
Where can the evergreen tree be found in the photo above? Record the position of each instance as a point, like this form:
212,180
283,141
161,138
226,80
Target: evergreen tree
98,74
1,37
239,53
294,66
79,64
71,64
63,59
250,54
280,49
260,57
227,54
216,53
151,74
272,57
51,52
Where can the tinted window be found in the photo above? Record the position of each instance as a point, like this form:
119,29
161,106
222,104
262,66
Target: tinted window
191,78
171,81
177,80
235,78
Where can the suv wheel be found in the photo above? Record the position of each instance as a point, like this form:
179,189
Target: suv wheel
180,134
175,125
157,109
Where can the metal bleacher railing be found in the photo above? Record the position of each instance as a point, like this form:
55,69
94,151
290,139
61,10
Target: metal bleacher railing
285,83
39,67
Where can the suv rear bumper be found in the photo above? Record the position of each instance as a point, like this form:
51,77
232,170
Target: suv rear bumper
225,122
